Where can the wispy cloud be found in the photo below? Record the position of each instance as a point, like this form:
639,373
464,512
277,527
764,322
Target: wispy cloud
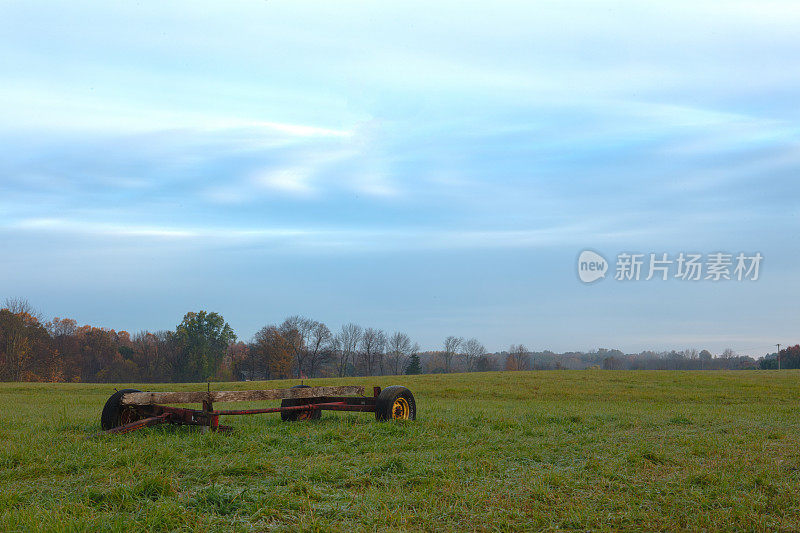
28,107
289,180
342,238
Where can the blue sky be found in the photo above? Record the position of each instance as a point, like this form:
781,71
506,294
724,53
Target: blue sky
429,168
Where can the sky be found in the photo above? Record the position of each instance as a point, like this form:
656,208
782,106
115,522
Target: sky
433,168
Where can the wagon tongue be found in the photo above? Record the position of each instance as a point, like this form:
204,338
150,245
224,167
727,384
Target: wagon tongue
139,424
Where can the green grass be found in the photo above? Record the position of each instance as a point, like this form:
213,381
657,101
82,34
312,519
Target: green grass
562,450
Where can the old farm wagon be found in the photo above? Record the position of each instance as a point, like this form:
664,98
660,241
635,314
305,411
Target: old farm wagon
129,409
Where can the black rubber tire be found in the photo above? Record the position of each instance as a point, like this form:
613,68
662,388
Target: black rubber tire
294,416
112,411
384,406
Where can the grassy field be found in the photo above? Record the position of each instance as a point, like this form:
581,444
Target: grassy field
562,450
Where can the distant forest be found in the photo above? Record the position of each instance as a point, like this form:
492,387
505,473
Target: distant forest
203,347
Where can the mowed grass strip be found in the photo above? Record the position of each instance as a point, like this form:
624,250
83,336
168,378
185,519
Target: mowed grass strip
561,450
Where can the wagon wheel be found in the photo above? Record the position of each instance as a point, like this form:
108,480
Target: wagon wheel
115,414
294,416
395,403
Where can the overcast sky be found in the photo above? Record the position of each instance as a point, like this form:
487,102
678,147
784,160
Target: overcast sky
434,168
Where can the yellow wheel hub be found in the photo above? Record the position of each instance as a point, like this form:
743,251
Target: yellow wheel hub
400,409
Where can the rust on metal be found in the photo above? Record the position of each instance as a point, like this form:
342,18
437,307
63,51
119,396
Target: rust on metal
139,424
143,409
305,407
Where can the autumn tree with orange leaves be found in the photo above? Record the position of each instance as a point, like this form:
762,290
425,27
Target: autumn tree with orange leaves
273,355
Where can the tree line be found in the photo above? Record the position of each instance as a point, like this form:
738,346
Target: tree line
204,347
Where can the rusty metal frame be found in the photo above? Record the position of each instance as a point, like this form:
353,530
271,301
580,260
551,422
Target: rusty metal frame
207,418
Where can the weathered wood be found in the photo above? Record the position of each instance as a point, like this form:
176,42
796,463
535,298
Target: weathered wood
149,398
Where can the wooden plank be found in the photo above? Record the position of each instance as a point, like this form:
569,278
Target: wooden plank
149,398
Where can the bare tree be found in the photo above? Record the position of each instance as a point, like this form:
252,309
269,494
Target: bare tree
398,350
517,357
21,305
345,345
318,347
451,346
336,353
296,331
472,351
373,344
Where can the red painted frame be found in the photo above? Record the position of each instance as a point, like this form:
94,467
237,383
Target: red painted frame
208,418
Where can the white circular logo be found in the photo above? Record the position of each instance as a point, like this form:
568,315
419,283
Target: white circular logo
591,266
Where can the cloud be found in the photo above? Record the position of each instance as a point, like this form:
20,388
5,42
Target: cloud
325,238
294,180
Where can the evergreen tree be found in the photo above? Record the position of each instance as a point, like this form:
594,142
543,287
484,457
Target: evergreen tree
414,366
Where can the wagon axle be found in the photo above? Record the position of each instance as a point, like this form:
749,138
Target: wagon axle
129,409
